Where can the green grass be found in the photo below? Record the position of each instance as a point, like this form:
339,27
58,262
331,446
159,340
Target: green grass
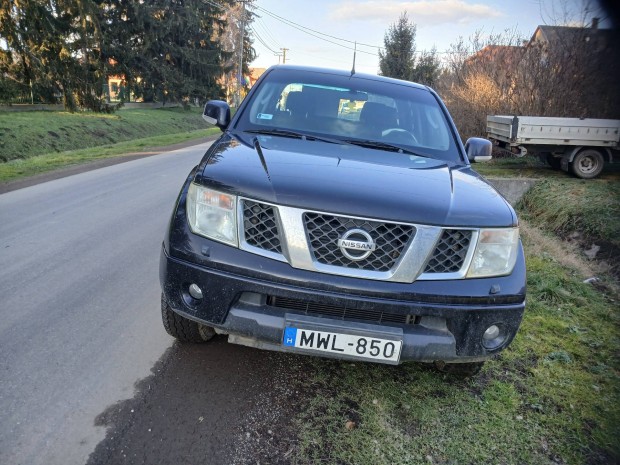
551,397
28,134
531,167
17,169
566,205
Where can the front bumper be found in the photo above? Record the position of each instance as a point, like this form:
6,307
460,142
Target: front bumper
440,326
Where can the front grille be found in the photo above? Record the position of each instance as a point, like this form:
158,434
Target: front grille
260,226
325,230
340,313
450,252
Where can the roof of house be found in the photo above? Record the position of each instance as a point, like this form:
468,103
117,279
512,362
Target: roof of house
492,52
569,35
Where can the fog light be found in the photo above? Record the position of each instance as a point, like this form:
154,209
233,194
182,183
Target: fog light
195,291
491,333
493,337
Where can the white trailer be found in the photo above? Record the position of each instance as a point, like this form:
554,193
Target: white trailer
579,145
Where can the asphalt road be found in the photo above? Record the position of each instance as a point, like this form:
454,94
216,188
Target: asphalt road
87,373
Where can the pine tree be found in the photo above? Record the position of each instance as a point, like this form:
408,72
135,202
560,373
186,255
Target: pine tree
167,49
52,49
397,60
426,69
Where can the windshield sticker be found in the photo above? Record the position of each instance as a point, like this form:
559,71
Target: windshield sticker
264,116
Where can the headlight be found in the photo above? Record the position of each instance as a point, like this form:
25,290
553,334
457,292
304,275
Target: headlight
212,214
495,254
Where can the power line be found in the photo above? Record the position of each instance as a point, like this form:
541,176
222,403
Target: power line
317,34
290,23
259,22
260,39
305,29
301,28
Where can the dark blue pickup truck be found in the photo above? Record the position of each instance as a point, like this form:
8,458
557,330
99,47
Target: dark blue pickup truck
338,215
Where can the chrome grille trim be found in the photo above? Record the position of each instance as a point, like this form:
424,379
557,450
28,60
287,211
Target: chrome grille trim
296,251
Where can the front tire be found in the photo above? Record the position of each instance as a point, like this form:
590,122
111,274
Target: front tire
587,164
183,329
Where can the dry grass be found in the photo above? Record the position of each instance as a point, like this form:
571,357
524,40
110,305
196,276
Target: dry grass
566,254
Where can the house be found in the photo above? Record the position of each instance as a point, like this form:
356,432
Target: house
573,71
506,54
565,37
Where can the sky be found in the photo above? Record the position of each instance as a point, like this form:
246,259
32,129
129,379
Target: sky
439,23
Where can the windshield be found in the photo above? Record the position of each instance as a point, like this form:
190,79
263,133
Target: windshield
350,109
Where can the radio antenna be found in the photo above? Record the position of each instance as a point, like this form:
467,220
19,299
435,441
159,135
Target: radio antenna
354,53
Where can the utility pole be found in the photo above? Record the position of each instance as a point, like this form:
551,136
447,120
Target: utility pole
283,55
241,34
279,55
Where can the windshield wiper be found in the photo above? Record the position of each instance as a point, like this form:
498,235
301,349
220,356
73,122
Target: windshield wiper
295,134
277,132
375,144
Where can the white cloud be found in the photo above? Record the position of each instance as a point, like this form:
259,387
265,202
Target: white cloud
422,12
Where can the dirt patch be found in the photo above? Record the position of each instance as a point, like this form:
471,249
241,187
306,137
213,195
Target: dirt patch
268,434
208,403
567,254
603,254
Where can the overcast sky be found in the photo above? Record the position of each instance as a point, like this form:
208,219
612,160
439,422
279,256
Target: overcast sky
439,23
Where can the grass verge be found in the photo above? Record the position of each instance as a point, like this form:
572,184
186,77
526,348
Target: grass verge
17,169
551,397
567,205
28,134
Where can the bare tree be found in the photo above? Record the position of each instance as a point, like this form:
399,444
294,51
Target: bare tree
561,71
478,78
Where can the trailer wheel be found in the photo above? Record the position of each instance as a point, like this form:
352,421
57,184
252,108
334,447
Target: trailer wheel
554,162
587,164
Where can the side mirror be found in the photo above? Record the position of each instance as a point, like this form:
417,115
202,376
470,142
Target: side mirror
478,149
217,112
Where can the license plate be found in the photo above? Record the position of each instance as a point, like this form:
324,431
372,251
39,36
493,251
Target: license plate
364,347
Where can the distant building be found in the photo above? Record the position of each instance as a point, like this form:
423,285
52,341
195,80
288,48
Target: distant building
509,54
555,37
585,42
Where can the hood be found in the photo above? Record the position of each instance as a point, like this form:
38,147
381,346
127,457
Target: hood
353,180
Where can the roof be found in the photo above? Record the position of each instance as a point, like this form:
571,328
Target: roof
492,52
568,35
340,72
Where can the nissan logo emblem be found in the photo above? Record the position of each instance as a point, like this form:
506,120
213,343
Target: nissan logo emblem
356,244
